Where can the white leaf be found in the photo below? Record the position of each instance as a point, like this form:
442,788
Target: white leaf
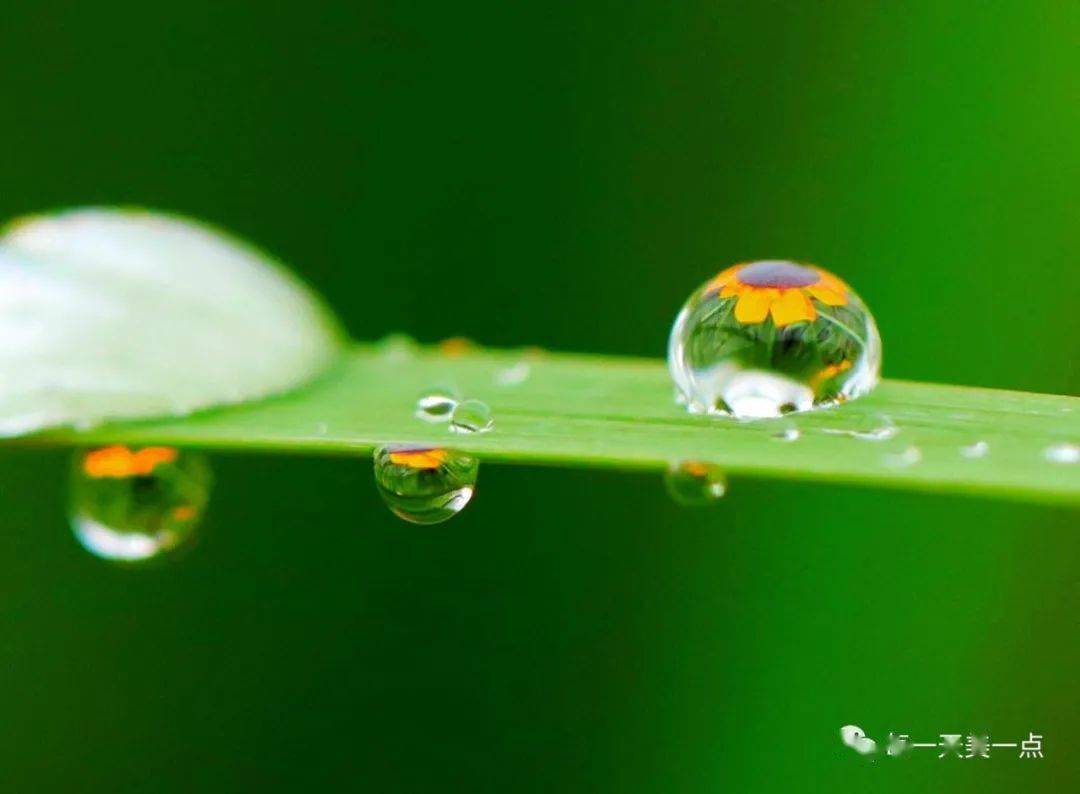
123,314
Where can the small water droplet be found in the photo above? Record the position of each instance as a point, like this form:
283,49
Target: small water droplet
788,434
397,347
471,416
425,485
768,338
980,449
436,404
514,375
695,484
909,456
1062,453
130,505
322,428
456,346
882,429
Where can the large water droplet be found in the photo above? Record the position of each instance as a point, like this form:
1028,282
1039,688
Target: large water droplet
425,485
471,416
436,404
695,484
770,338
131,505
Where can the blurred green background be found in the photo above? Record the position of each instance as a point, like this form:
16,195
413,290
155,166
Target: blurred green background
563,175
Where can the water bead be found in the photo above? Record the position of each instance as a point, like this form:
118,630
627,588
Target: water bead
769,338
436,404
695,484
425,485
130,505
471,416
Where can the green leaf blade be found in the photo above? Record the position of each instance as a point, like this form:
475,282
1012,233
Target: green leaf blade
618,412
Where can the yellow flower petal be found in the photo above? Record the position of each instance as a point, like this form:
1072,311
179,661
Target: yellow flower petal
791,307
722,279
753,305
732,288
826,295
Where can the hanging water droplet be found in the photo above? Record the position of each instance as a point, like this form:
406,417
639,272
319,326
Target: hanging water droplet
979,449
1062,453
471,416
424,485
436,404
131,505
769,338
695,484
514,375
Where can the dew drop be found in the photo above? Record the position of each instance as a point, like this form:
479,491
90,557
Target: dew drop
788,434
425,485
471,416
908,456
436,404
768,338
1062,453
513,375
980,449
131,505
695,484
882,429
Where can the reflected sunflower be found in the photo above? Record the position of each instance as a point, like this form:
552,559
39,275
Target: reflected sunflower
784,290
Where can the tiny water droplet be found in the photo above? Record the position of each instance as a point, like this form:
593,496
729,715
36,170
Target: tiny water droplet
425,485
768,338
322,428
471,416
1062,453
883,429
788,434
129,505
980,449
514,375
397,347
436,404
909,456
456,346
695,484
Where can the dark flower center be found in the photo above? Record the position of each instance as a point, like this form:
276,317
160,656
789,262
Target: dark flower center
777,273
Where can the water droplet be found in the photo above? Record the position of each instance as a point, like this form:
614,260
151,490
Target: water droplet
425,485
908,456
456,346
695,484
436,404
788,434
980,449
471,416
322,428
1062,453
769,338
130,505
881,429
513,375
397,347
